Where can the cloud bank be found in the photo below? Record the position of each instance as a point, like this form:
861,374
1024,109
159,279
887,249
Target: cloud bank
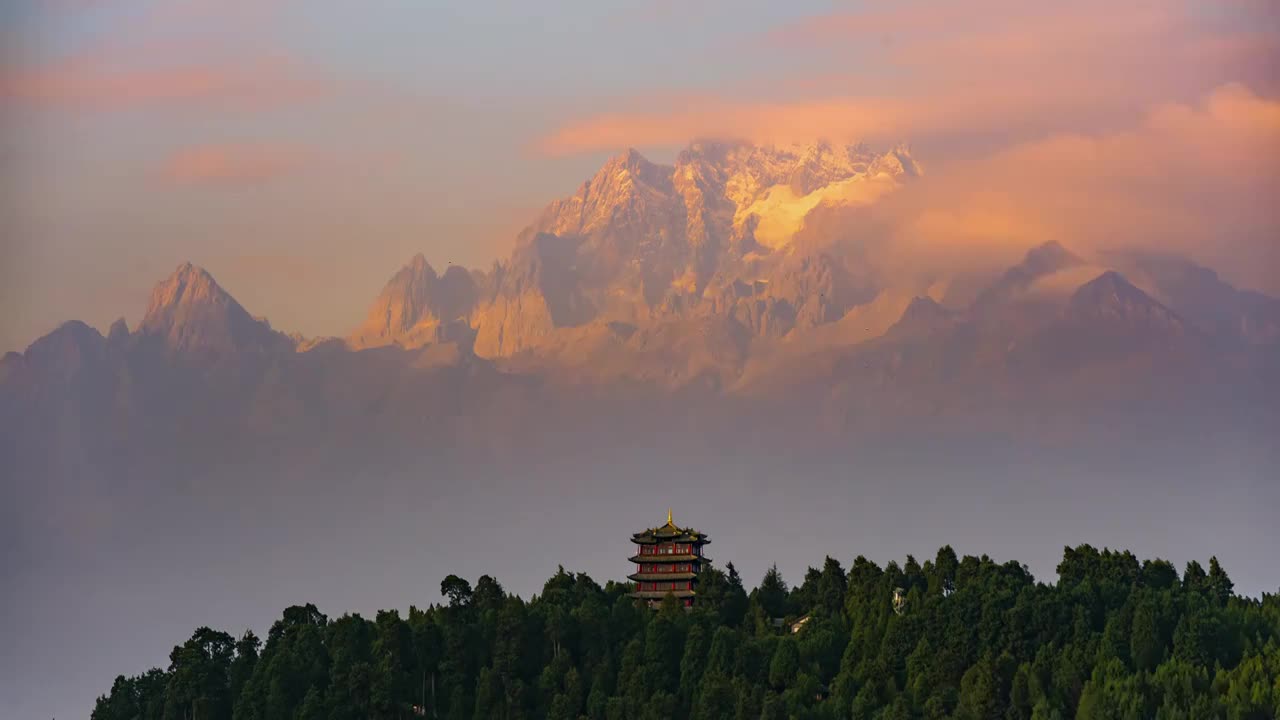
947,69
1198,179
1150,124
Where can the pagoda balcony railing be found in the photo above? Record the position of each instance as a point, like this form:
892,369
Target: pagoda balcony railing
673,551
665,559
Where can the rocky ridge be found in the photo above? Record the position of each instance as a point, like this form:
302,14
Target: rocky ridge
660,275
641,243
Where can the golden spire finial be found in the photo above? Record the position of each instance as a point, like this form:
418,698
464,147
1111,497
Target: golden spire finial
668,516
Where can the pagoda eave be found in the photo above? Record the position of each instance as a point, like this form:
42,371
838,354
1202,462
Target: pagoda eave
662,577
660,594
669,558
655,538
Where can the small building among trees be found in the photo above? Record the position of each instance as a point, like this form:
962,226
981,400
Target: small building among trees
668,559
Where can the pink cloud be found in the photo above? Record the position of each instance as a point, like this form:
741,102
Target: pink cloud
951,67
201,54
1193,178
89,83
873,118
230,164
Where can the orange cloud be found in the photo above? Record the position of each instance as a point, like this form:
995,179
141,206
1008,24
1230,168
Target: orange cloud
951,68
877,119
230,164
134,63
89,84
1197,179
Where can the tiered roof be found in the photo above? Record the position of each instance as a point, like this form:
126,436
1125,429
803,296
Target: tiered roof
662,576
670,533
660,594
668,558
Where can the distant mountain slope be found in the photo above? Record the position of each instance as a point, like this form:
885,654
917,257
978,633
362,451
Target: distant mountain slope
1204,299
632,275
656,292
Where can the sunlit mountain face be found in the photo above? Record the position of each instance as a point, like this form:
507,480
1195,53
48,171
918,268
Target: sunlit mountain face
734,300
738,282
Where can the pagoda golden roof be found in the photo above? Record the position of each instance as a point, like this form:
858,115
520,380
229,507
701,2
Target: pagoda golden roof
670,531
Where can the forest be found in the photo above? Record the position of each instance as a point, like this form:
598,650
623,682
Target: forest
1113,637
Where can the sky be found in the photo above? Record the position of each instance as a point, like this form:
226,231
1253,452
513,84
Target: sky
302,152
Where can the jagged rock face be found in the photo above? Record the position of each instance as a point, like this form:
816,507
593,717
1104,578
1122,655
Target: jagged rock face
65,351
1205,300
726,290
627,228
798,293
820,288
1112,301
538,290
629,203
745,342
753,197
403,304
923,317
642,242
415,303
190,313
748,238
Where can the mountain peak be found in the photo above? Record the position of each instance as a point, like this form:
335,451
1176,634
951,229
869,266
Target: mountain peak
632,164
630,158
1040,261
923,316
418,265
1110,285
187,285
414,302
1049,257
190,273
629,164
119,331
923,306
66,350
1111,298
897,162
403,303
192,312
627,189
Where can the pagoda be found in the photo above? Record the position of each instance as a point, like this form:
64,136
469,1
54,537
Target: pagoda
668,560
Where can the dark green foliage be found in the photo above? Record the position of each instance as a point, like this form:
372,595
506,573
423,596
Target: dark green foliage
771,596
137,698
199,683
1112,639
